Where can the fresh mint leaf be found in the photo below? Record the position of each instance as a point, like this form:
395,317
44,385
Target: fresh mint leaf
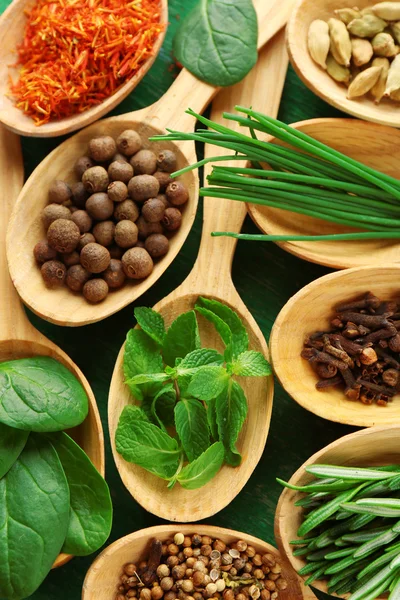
212,418
192,427
251,364
133,413
240,339
182,337
145,445
151,322
147,378
141,356
199,358
203,469
162,406
208,382
217,41
220,325
40,394
231,409
12,442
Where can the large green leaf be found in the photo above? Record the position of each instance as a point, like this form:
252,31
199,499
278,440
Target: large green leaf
192,427
141,356
12,442
203,469
151,322
208,382
182,337
251,364
231,409
240,339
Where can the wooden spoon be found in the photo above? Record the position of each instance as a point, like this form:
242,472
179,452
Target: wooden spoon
318,80
12,24
25,230
371,144
18,338
211,277
371,447
311,309
102,579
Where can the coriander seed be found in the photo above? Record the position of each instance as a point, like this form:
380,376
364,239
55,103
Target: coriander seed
187,552
157,593
95,258
129,142
211,589
179,538
173,549
95,290
144,162
163,571
77,276
63,235
99,206
198,578
250,551
169,595
103,233
95,179
59,192
267,559
219,546
117,191
102,148
53,273
166,583
43,252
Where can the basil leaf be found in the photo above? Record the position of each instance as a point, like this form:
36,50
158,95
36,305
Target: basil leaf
141,355
217,41
182,337
231,408
240,339
34,515
162,406
212,418
208,383
222,328
192,427
151,322
40,394
251,364
12,442
145,445
199,358
90,502
203,469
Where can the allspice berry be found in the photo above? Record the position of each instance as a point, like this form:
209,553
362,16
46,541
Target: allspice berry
177,193
63,235
83,164
59,192
95,179
102,148
114,275
120,171
164,179
83,220
95,290
166,161
118,157
52,212
126,234
95,258
71,258
77,276
153,210
99,206
43,252
79,194
126,210
129,142
172,219
115,251
104,233
137,263
157,245
86,238
144,162
117,191
145,228
53,273
143,187
164,200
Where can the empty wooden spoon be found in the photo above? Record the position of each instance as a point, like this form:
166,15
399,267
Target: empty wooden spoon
211,277
12,24
18,338
61,306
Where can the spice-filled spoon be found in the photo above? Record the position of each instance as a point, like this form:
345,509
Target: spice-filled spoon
18,338
211,277
12,24
61,306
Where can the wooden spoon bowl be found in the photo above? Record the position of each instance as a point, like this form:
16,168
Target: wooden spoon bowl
102,579
371,447
318,80
371,144
311,309
12,24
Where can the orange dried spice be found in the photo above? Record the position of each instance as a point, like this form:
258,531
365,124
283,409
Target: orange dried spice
77,53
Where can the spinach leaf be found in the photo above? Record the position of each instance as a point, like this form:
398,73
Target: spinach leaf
251,364
240,339
203,469
144,444
208,383
217,41
34,516
231,408
12,442
151,322
141,356
192,427
182,337
40,394
91,508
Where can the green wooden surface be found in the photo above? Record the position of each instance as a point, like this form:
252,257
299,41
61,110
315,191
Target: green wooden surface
265,276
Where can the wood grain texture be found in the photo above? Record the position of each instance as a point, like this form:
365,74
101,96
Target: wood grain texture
318,80
12,24
371,447
18,338
371,144
311,310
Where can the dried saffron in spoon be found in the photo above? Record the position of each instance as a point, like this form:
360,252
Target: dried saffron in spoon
77,53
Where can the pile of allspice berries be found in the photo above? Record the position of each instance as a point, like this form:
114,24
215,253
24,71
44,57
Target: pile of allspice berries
115,221
360,48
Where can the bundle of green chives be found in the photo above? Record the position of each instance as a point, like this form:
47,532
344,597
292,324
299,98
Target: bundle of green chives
309,178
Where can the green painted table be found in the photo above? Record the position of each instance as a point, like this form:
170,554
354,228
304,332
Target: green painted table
265,276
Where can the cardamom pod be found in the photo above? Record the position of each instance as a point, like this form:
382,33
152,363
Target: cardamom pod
340,42
378,90
395,29
390,11
338,72
367,26
383,45
363,82
367,11
319,42
346,15
395,96
362,51
393,80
